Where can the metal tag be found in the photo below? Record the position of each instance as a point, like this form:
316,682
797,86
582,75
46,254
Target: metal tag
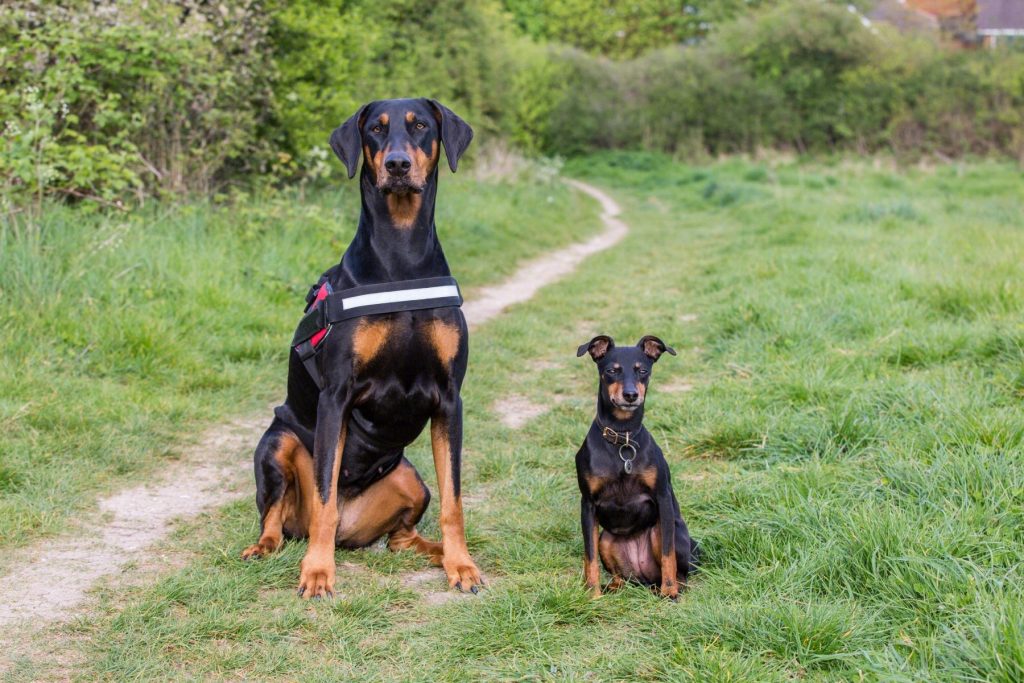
627,463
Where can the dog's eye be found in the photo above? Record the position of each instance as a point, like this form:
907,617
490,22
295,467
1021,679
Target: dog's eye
420,125
376,129
641,372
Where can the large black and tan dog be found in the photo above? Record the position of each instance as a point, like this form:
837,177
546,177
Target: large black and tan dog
331,465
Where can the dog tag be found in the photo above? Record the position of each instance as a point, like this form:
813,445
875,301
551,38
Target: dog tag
627,463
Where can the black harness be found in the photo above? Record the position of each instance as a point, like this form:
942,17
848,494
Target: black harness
325,308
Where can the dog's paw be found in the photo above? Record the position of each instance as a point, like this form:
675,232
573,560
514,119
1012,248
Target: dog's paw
316,575
670,590
463,574
595,592
258,550
615,584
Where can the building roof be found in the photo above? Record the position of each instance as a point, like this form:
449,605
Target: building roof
1001,17
903,17
941,8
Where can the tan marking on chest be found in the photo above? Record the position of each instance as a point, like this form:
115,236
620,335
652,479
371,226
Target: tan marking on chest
445,340
594,484
368,339
649,477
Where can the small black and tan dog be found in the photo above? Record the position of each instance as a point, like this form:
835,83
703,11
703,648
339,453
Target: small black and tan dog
331,467
625,482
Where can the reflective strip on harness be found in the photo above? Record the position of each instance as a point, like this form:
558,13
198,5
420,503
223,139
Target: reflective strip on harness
403,295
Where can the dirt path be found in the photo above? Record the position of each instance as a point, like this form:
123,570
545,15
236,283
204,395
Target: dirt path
47,581
490,301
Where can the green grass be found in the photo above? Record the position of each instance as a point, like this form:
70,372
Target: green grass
124,334
850,457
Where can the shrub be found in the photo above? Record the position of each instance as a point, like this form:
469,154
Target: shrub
334,56
101,98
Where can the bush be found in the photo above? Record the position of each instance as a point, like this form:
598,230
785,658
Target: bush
102,98
802,75
334,56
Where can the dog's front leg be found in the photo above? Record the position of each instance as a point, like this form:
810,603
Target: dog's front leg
446,441
591,568
667,532
316,575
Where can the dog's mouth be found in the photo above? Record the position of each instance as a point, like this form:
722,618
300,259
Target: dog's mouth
401,187
628,407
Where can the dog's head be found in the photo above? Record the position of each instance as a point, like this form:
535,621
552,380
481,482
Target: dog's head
400,142
624,371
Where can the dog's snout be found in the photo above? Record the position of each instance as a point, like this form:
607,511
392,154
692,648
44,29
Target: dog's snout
630,396
398,163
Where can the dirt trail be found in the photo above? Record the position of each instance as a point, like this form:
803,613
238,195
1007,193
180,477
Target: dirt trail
490,301
48,580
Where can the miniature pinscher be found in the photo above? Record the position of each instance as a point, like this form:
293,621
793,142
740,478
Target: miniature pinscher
624,480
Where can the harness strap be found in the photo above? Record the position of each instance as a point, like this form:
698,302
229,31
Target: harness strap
325,308
388,297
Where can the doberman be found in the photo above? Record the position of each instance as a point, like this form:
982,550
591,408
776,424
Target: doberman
330,467
624,480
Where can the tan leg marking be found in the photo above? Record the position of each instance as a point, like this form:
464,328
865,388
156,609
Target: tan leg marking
669,582
390,506
457,563
591,568
316,572
606,549
283,510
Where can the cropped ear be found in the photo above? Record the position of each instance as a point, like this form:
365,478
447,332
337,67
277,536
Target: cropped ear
654,347
597,347
455,133
346,141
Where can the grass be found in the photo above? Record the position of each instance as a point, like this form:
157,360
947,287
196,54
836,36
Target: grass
124,334
849,456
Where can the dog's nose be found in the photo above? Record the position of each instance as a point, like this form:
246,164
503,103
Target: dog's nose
630,397
398,163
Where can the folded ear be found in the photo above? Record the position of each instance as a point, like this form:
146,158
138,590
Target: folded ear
346,141
596,347
455,133
654,347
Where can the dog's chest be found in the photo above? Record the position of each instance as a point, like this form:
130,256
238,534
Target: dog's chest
403,363
625,503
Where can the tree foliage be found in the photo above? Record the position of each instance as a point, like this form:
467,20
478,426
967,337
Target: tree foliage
106,100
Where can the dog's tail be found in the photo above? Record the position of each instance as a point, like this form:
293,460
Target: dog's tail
695,555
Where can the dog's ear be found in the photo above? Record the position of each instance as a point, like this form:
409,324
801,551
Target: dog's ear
455,133
654,347
346,141
596,347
